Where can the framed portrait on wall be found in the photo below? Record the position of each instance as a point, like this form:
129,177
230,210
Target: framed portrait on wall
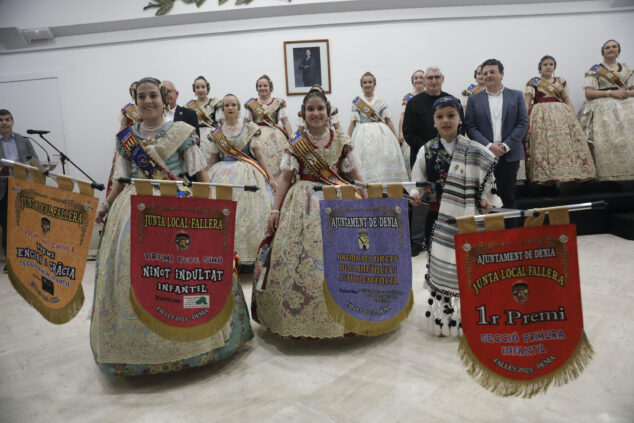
306,63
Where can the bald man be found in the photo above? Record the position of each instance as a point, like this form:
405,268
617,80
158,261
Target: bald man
177,113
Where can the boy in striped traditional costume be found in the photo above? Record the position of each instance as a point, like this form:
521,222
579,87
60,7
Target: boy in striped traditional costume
463,172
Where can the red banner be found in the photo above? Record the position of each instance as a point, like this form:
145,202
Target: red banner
181,264
521,308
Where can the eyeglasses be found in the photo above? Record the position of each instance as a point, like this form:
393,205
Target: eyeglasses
433,77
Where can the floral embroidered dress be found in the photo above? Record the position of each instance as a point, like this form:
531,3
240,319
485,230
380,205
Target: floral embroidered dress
558,149
273,140
378,150
253,208
213,111
292,303
121,344
609,126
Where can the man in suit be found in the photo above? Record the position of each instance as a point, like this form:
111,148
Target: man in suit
177,113
418,128
12,147
307,66
497,119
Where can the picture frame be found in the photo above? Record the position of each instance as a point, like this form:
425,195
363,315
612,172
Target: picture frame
306,63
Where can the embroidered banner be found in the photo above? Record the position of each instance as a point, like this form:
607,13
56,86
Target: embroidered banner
48,238
367,263
521,308
181,264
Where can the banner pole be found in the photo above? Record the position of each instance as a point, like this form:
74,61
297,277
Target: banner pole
157,182
52,175
510,214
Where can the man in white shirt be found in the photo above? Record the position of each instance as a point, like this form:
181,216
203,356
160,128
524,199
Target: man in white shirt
497,118
177,113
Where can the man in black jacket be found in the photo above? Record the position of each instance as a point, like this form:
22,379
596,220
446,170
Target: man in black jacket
176,112
418,128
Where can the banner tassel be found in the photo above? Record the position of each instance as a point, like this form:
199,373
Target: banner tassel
362,327
57,316
502,386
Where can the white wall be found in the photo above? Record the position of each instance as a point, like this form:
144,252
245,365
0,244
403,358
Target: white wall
93,81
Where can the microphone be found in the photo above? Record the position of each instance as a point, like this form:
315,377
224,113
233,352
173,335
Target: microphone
36,132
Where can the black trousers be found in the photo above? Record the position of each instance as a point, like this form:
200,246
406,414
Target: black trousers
3,220
505,178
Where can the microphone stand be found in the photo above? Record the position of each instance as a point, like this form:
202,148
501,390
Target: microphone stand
63,157
48,158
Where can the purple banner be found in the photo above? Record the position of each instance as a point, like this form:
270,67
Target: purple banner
367,258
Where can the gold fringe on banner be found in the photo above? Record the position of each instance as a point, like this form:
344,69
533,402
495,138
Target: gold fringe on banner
200,190
330,192
168,188
394,191
494,222
466,224
375,191
143,187
64,182
559,215
505,387
224,192
58,316
363,327
189,334
531,221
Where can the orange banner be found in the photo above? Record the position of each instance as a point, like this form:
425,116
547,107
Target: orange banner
48,238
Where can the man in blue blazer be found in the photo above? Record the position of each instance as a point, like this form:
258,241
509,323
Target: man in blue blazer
497,118
12,147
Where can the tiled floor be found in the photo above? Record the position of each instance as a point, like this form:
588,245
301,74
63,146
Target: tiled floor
47,373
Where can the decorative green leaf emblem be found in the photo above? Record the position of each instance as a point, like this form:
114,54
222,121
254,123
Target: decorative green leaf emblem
164,6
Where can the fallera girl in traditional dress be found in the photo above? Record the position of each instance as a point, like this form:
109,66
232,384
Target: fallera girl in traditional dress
463,173
608,115
237,158
473,88
558,148
121,343
418,86
374,138
207,109
269,113
290,302
333,118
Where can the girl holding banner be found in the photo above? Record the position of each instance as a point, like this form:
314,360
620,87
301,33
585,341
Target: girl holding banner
291,301
463,169
121,343
267,112
374,138
242,162
333,120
